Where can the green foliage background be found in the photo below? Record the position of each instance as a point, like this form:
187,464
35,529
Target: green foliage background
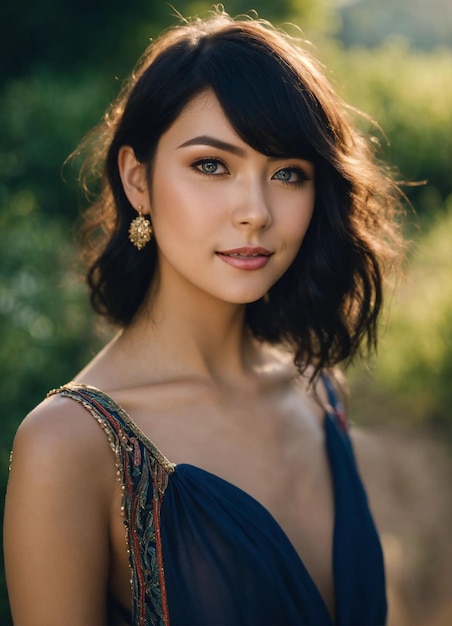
64,61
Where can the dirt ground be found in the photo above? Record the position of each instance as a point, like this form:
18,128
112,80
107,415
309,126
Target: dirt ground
408,479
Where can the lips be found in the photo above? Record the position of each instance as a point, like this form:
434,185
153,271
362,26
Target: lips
245,258
246,251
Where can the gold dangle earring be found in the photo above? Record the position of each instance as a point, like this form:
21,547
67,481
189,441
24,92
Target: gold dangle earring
140,231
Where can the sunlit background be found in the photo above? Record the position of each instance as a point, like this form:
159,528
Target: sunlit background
63,61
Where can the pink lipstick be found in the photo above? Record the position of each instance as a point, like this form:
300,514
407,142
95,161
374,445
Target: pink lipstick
246,258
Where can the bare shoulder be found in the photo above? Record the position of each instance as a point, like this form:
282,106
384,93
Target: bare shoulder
60,433
58,419
311,391
303,398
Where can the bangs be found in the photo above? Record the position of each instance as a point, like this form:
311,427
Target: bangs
272,96
265,100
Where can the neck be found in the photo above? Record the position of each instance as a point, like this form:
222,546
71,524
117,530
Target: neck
189,334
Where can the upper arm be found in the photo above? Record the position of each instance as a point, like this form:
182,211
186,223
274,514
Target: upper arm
56,531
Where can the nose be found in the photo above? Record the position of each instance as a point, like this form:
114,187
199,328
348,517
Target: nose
252,209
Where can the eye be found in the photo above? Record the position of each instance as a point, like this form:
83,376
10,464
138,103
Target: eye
210,167
291,175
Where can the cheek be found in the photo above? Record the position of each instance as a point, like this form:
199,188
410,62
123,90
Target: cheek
177,196
300,218
168,206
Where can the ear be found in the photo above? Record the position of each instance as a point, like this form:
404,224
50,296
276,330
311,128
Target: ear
134,178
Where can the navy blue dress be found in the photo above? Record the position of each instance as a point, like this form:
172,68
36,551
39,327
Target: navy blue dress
203,552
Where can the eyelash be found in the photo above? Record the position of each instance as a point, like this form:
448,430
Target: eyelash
197,166
303,177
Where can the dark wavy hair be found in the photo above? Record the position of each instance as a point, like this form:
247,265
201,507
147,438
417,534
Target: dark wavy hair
277,98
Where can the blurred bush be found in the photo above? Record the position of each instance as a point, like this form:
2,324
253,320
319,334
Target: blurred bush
43,311
413,371
416,356
424,23
42,117
409,94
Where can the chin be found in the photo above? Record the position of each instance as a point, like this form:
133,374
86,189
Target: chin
246,298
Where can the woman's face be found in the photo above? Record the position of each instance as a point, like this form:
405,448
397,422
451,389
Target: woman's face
228,220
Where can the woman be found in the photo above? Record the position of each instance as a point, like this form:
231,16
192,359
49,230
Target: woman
247,230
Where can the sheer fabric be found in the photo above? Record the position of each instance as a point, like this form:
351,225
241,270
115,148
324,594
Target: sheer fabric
203,552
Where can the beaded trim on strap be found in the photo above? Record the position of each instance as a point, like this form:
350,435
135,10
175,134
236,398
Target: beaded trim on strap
143,473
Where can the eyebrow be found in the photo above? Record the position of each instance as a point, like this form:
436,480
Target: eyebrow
207,140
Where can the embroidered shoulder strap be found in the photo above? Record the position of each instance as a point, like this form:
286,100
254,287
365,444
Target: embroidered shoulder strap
143,474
